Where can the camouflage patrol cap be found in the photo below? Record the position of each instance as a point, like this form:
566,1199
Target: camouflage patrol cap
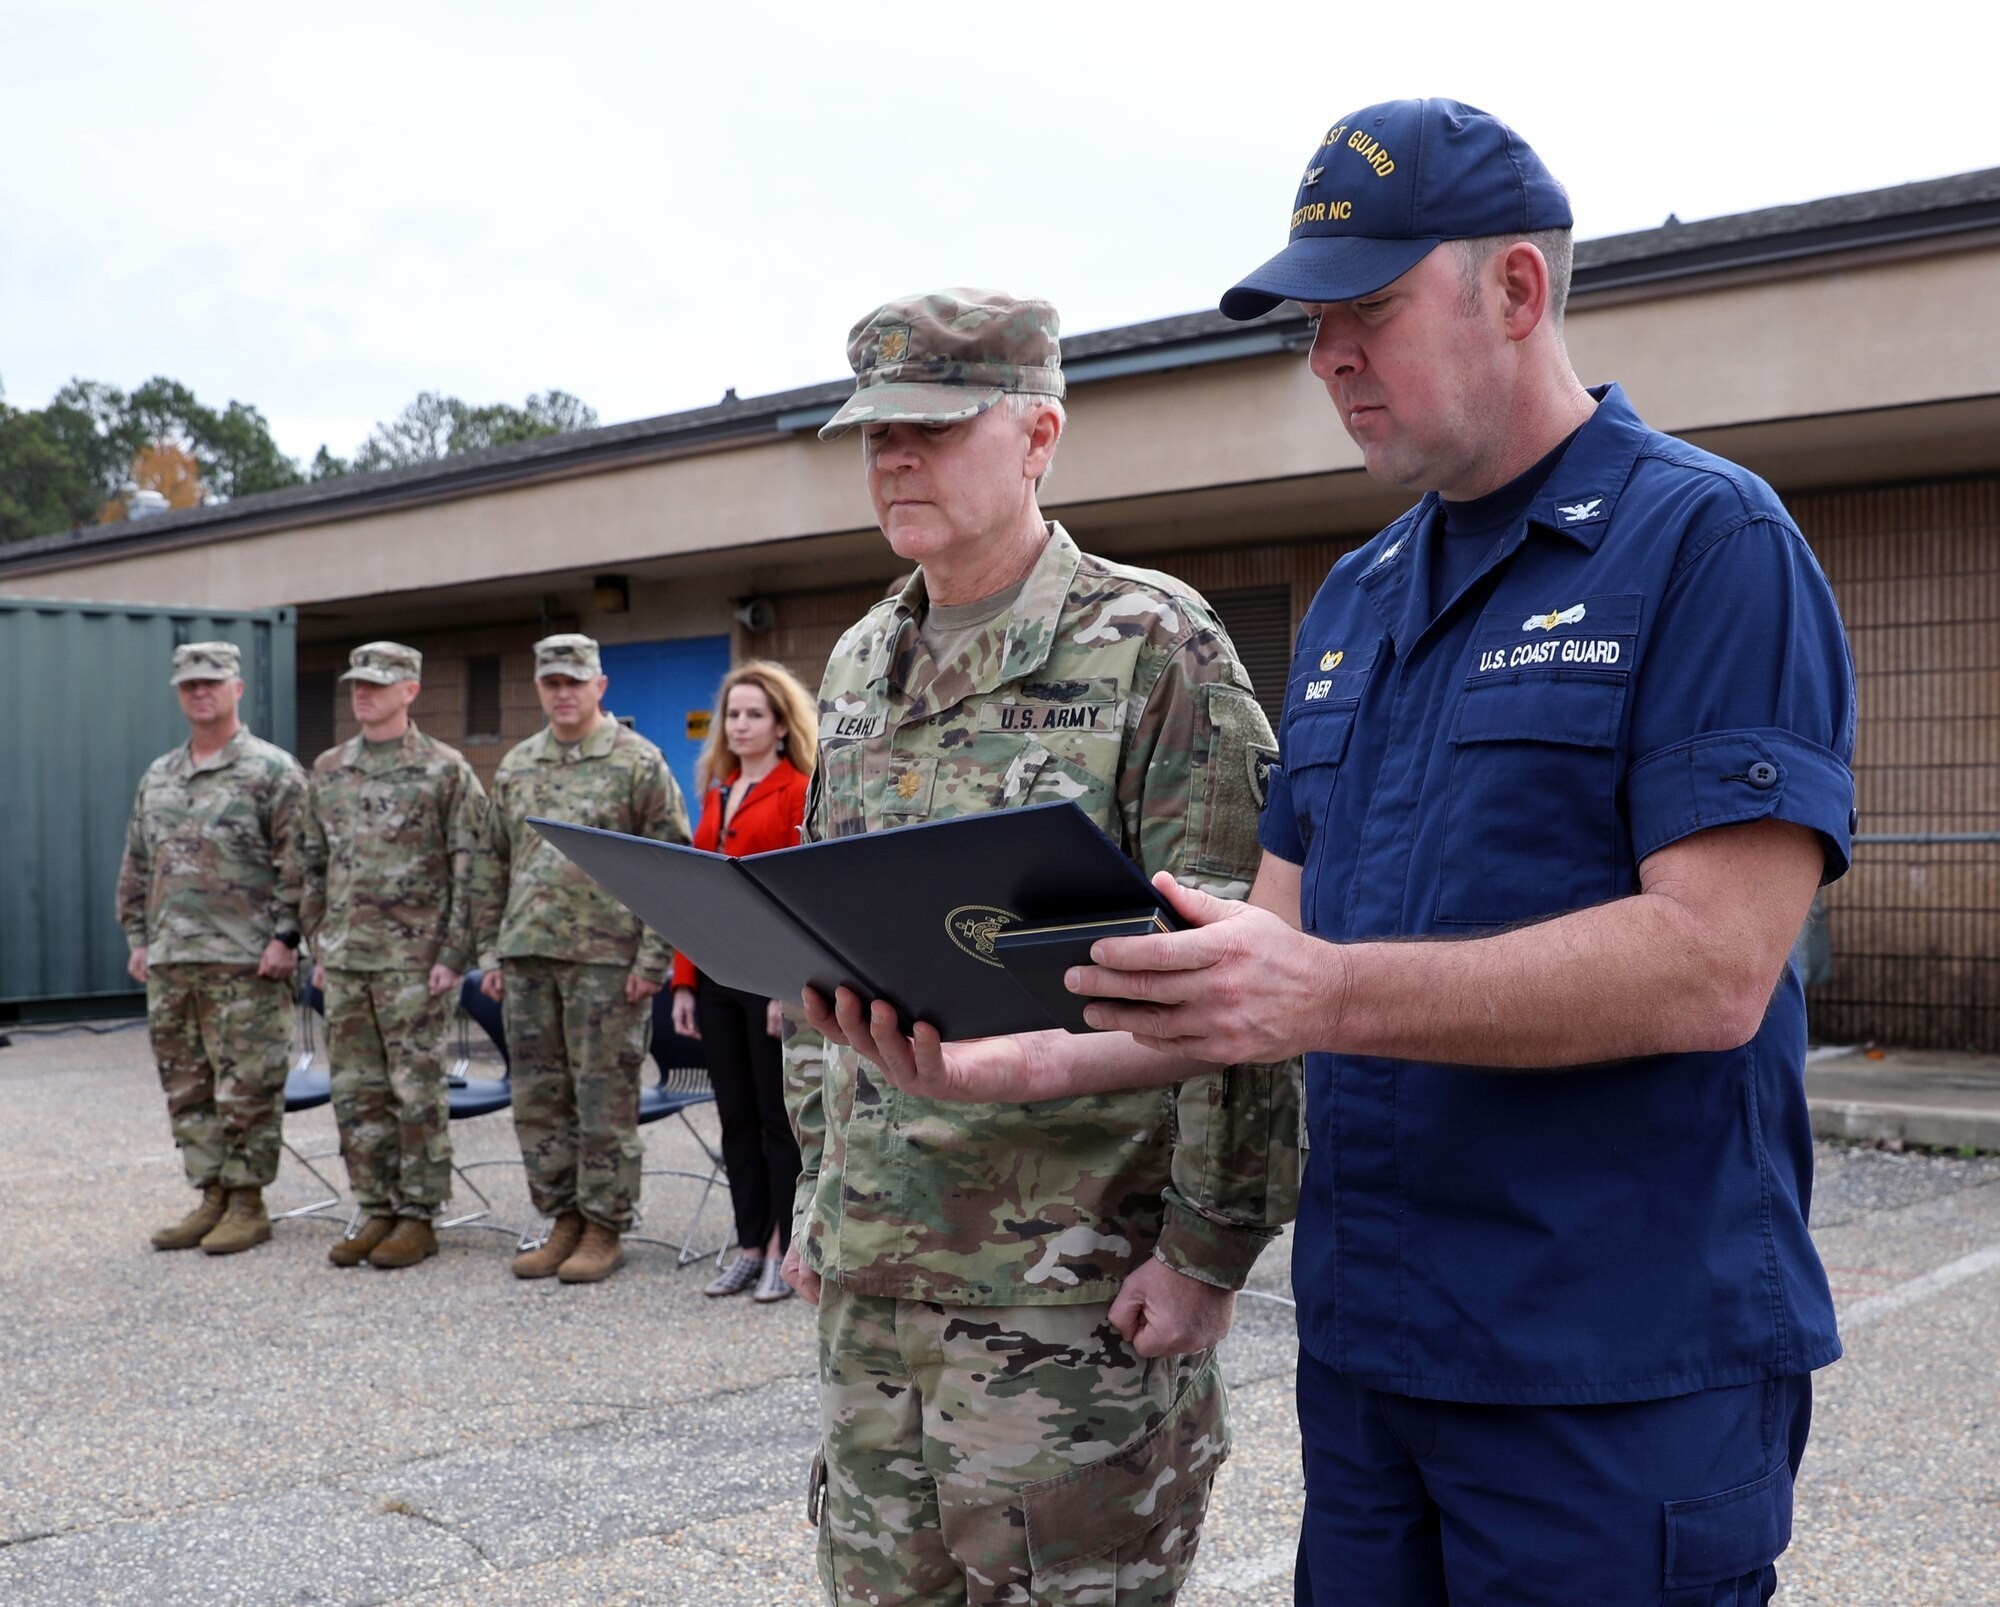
568,654
948,356
384,663
207,661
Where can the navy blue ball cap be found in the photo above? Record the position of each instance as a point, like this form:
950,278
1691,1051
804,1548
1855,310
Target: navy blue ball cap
1390,184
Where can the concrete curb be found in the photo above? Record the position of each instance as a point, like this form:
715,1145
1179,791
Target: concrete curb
1932,1126
1940,1099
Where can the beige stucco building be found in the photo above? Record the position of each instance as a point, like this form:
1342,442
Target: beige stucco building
1848,350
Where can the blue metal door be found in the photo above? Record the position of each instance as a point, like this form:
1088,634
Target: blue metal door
668,690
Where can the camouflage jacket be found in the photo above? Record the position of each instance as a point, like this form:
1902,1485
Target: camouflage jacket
387,843
532,901
210,874
1117,688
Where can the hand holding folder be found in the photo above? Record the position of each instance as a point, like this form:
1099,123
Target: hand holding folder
966,923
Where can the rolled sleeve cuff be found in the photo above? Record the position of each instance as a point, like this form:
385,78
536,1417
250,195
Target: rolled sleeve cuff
454,960
1729,777
1213,1252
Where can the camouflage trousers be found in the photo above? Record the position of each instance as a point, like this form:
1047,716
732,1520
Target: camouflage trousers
222,1035
981,1455
383,1029
576,1048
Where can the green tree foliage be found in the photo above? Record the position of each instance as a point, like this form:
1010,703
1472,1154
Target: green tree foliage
234,448
43,488
96,429
434,427
325,466
69,462
61,465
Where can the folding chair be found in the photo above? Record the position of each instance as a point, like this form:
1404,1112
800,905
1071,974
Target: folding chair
680,1089
307,1088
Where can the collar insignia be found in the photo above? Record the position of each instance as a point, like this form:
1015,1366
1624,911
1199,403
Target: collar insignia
1391,553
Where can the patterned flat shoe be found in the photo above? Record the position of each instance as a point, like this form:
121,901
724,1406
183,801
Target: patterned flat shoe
772,1286
739,1275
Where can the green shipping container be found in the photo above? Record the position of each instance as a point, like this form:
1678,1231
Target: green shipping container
85,706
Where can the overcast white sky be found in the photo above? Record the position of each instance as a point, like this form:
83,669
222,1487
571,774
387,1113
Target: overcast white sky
323,209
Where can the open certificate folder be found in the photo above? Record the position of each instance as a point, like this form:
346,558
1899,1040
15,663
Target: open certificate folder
967,923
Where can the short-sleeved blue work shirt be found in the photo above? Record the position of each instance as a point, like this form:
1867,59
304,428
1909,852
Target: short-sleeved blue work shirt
1650,652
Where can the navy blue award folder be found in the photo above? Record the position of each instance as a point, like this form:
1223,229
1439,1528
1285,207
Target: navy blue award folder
965,923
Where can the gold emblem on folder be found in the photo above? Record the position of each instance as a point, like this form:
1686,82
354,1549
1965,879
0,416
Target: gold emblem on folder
973,927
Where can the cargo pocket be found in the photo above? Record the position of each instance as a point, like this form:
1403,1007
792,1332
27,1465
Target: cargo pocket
1721,1539
1040,776
1532,823
1086,1526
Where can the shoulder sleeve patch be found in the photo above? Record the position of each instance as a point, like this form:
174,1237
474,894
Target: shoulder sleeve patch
1231,779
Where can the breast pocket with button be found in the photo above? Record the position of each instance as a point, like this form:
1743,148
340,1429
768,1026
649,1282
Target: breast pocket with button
1533,826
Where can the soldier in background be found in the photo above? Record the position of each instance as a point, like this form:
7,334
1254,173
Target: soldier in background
209,900
575,971
393,826
1019,1305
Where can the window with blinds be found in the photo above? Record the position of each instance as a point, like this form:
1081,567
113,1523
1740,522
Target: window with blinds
317,690
1259,622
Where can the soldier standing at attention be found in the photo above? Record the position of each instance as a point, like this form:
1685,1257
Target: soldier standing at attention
393,826
209,900
574,970
1018,1305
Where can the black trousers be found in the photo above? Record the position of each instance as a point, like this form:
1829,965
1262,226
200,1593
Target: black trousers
746,1068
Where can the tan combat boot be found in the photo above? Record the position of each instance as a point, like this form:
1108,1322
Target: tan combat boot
353,1251
557,1248
244,1224
187,1233
413,1240
596,1258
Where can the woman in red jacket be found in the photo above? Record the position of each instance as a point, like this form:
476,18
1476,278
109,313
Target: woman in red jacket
752,775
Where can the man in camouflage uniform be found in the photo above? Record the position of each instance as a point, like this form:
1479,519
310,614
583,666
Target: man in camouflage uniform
573,969
1019,1304
393,825
208,896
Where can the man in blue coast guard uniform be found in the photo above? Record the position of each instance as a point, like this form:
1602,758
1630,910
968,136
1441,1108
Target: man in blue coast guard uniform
1582,722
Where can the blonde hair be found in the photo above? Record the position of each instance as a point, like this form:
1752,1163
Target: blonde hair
790,702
